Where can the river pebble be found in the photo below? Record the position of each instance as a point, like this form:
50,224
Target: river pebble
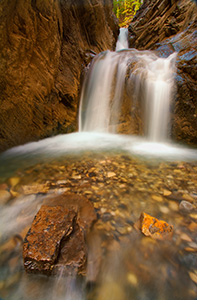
186,206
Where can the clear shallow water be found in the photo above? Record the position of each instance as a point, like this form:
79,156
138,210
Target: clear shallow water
58,146
122,176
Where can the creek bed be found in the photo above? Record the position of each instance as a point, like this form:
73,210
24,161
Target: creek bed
122,262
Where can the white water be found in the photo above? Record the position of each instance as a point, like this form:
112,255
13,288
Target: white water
103,89
122,42
158,88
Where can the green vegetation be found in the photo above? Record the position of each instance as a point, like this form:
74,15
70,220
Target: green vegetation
125,10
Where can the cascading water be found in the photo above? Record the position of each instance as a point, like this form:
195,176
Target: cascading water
158,89
98,104
122,42
105,83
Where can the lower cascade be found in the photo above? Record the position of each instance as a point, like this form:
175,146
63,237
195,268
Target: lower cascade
97,215
150,80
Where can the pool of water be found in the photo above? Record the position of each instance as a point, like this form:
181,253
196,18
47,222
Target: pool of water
122,177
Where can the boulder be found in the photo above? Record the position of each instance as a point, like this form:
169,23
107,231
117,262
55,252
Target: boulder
44,46
42,243
56,241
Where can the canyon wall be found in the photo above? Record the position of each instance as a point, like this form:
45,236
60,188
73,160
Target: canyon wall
44,46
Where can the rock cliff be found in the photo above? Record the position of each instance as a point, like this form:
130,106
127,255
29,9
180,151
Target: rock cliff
167,26
44,46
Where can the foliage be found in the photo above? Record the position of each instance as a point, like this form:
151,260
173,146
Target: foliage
125,10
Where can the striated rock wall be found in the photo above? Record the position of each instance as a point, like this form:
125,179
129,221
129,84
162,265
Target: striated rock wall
167,26
157,20
44,46
184,108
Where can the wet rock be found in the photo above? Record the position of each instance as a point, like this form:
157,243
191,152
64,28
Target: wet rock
167,193
43,241
56,241
132,279
85,210
186,207
153,227
73,254
111,174
157,198
35,189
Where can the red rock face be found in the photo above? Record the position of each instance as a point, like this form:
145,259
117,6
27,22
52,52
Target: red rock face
44,47
56,241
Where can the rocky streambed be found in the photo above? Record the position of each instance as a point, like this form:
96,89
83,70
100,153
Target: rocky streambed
119,261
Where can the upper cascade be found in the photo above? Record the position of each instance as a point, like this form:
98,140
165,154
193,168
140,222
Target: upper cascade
122,42
143,77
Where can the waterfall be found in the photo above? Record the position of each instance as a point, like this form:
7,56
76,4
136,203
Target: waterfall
158,89
107,82
122,42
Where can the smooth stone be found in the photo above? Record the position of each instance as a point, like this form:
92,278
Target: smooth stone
185,237
132,279
186,206
157,198
164,209
194,216
167,192
173,205
188,197
76,177
111,174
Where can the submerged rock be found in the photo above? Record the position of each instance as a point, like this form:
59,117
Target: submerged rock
154,228
186,207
